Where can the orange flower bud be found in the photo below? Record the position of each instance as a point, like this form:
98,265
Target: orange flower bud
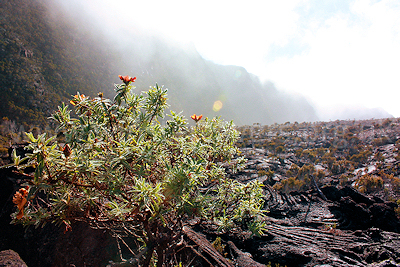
67,227
76,99
127,79
67,150
80,97
196,118
19,199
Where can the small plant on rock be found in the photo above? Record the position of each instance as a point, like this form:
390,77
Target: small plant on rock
368,183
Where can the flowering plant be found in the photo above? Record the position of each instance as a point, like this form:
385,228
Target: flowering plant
120,169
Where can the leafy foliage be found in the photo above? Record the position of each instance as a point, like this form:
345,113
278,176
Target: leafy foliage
122,170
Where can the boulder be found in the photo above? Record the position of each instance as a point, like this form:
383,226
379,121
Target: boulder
10,258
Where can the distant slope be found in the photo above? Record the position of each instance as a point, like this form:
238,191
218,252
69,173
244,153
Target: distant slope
47,55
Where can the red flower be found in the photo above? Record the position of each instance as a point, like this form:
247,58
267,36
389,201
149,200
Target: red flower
196,118
127,79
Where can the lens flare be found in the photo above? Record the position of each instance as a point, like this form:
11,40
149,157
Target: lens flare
238,73
217,105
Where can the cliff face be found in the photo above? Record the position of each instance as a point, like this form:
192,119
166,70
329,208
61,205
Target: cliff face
43,61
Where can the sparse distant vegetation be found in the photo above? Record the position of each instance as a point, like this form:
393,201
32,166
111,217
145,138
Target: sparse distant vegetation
364,154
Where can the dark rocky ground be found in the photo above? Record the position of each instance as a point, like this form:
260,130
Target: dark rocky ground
332,192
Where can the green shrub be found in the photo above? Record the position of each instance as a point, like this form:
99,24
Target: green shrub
121,169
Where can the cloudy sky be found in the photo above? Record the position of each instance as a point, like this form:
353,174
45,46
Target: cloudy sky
334,52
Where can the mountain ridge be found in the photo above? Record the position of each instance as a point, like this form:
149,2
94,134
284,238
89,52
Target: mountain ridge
50,52
47,57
